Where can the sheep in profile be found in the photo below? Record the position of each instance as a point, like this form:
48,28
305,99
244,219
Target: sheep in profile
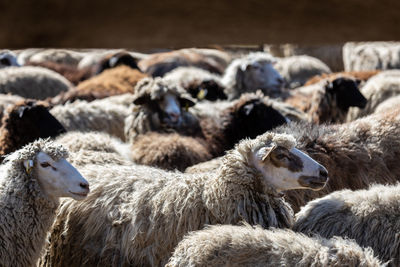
32,82
32,180
25,122
251,72
327,101
199,83
93,116
297,70
370,217
8,59
160,107
379,88
139,216
228,245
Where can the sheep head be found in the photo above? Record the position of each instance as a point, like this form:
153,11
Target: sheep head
346,92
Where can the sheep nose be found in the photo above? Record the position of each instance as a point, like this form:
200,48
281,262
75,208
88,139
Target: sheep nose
174,116
323,173
84,185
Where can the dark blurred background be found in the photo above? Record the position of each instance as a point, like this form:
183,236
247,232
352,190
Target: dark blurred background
146,25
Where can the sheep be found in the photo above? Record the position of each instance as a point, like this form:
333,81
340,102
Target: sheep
32,82
8,59
140,216
371,56
93,116
157,65
158,107
206,166
32,180
199,83
115,81
379,88
388,105
297,70
62,56
363,76
228,245
251,72
369,216
25,122
327,101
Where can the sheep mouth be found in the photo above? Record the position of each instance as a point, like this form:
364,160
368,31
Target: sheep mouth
83,194
312,182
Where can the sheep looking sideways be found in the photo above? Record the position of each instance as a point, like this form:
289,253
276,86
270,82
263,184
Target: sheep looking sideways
250,73
32,180
228,245
140,216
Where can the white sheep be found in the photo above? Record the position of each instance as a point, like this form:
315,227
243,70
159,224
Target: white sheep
228,245
388,105
297,70
32,82
98,115
251,72
32,180
63,56
137,214
370,217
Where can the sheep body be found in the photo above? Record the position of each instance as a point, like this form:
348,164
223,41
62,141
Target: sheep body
228,245
63,56
388,105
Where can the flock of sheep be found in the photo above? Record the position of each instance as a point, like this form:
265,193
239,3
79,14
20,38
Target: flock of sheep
199,157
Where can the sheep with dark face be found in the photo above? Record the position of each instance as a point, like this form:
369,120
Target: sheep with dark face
251,72
160,106
327,101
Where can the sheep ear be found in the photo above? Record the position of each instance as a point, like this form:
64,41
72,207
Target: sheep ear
358,81
264,152
21,111
329,86
186,102
142,100
28,164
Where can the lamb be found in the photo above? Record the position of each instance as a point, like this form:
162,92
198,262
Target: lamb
32,82
251,72
32,180
376,90
228,245
199,83
157,65
371,56
297,70
139,217
93,116
363,76
8,59
25,122
115,81
369,216
158,108
327,101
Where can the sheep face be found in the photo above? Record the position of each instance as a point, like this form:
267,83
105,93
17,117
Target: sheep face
57,178
347,93
262,75
287,169
8,59
171,110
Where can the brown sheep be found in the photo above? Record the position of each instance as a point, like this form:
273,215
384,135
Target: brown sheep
363,76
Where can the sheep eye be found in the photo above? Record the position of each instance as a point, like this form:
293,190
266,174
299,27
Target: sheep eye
44,164
280,156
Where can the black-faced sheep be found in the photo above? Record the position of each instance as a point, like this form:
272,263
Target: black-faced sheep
370,217
160,106
8,59
199,83
228,245
25,122
32,180
32,82
250,73
159,64
297,70
137,215
327,101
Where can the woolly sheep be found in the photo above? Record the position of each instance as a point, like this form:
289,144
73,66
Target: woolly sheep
251,72
370,217
371,56
25,122
32,180
139,218
157,65
159,107
32,82
388,105
297,70
8,59
199,83
69,57
379,88
327,101
228,245
93,116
